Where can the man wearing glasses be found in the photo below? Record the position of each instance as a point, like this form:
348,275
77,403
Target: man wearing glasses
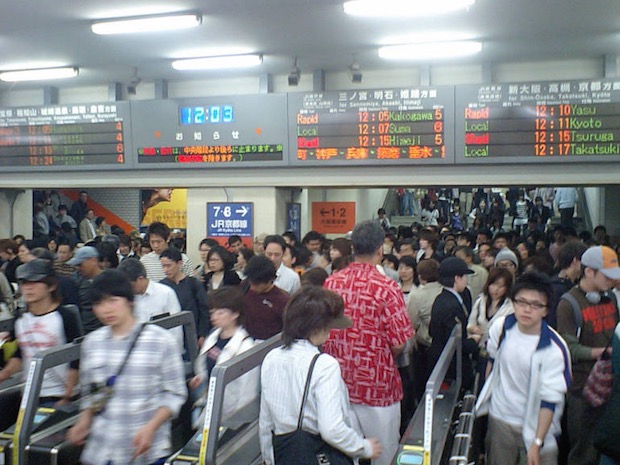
527,377
506,258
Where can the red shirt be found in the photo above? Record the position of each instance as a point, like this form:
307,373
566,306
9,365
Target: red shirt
376,306
263,312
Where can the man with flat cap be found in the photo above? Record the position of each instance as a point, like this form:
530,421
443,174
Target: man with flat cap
453,305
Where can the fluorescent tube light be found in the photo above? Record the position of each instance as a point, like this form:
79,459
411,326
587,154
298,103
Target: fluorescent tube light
42,74
147,24
218,62
375,8
430,50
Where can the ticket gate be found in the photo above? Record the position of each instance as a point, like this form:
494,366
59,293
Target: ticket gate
215,443
38,437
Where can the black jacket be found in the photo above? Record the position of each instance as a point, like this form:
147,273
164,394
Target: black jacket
231,278
446,311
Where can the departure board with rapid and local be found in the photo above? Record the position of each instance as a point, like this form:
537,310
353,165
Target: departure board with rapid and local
561,121
64,137
372,127
211,132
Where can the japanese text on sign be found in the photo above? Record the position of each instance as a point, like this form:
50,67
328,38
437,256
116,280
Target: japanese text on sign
226,219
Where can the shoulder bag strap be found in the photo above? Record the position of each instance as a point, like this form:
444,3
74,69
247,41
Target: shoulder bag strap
570,298
112,380
306,389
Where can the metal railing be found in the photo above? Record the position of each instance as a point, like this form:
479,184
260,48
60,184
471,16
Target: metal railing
583,209
7,324
419,444
434,384
391,203
463,435
222,375
67,353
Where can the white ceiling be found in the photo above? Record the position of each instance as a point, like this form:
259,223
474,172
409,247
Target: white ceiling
57,32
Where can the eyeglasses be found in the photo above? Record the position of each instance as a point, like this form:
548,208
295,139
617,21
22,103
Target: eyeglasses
213,259
537,306
506,264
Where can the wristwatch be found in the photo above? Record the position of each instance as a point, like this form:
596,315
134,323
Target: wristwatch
539,442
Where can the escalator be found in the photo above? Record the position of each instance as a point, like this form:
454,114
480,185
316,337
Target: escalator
441,428
38,436
218,442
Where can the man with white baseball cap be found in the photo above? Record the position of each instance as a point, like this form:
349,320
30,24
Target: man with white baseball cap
587,316
603,259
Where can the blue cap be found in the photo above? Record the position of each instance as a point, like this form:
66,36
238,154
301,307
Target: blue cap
82,254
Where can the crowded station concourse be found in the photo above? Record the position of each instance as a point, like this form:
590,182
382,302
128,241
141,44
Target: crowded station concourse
481,137
401,291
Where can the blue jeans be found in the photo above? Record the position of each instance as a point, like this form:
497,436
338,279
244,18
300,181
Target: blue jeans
407,204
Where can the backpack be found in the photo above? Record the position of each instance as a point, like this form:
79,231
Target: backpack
577,308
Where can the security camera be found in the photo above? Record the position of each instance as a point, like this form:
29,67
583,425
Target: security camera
294,75
293,79
132,86
356,72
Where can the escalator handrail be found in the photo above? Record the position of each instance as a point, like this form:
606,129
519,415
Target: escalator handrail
222,375
7,324
434,384
67,353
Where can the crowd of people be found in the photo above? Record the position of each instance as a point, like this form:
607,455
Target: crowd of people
537,309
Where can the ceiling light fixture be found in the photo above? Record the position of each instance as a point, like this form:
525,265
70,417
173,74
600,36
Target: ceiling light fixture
218,62
295,75
430,50
41,74
154,23
375,8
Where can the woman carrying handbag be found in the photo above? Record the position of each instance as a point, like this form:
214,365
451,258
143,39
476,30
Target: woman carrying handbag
304,417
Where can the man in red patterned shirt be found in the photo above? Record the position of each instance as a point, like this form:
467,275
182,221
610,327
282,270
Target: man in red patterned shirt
367,350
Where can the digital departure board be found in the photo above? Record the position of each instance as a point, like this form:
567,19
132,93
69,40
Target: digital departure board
244,130
372,127
568,121
64,137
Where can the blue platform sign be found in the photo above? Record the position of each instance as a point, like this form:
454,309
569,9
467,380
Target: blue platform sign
226,219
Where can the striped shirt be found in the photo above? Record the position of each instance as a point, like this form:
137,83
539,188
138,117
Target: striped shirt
152,378
154,270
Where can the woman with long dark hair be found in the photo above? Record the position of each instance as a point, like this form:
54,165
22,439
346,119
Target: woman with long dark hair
493,303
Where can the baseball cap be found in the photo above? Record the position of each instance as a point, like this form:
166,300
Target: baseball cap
506,254
453,266
603,259
82,254
35,270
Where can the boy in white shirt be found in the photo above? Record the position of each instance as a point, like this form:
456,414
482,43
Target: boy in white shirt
528,375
